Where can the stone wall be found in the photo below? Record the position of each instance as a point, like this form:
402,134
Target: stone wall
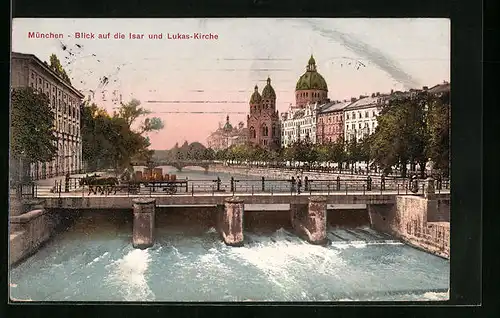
28,232
411,219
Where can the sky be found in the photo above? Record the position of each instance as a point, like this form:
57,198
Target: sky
355,56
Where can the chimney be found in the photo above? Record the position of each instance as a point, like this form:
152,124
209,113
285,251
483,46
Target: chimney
373,94
392,91
378,93
425,88
353,99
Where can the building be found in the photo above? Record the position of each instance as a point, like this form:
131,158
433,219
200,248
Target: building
227,136
330,123
311,87
263,120
360,116
299,122
65,100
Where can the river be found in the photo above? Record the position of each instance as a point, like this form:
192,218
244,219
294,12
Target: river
94,261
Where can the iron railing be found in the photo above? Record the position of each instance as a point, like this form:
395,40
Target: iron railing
245,186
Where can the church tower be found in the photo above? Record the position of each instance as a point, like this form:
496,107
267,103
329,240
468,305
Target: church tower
263,120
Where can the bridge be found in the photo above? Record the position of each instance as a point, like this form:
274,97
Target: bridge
178,164
419,218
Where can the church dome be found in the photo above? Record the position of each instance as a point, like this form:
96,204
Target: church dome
311,79
228,126
268,91
256,98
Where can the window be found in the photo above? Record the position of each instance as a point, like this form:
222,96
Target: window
32,75
265,130
366,114
347,116
252,132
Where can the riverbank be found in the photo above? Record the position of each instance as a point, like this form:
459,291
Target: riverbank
275,173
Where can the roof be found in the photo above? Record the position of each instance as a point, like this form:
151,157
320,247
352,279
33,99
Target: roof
363,102
17,55
332,107
440,88
299,114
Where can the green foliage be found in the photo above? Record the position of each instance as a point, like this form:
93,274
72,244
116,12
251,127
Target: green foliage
411,130
32,126
56,66
109,141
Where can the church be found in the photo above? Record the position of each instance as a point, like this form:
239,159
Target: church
263,122
311,96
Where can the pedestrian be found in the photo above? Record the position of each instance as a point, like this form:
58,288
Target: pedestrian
293,184
299,184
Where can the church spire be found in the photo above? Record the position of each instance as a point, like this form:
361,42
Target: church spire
311,65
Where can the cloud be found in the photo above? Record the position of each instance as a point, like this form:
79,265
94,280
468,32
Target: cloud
372,54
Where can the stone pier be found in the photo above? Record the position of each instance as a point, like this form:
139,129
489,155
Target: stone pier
28,232
311,223
231,222
144,223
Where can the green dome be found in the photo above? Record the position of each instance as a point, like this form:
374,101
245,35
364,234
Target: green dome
311,79
256,98
268,91
228,125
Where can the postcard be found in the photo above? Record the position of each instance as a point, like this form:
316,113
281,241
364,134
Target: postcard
229,160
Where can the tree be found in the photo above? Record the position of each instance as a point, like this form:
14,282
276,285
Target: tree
132,110
32,127
401,134
56,66
438,128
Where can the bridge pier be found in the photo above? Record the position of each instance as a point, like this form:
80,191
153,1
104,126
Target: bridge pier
231,222
310,221
144,223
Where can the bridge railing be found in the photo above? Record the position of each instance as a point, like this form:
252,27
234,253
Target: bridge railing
248,186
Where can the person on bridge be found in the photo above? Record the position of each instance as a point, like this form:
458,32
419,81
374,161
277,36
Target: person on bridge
293,184
299,184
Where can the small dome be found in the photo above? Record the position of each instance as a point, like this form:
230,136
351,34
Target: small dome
268,91
228,125
256,98
311,79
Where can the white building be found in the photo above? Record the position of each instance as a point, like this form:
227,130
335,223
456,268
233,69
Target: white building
360,117
299,124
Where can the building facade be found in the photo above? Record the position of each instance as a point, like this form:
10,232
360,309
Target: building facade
227,136
263,120
360,116
65,100
299,124
330,123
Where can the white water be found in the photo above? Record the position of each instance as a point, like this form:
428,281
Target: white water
271,267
